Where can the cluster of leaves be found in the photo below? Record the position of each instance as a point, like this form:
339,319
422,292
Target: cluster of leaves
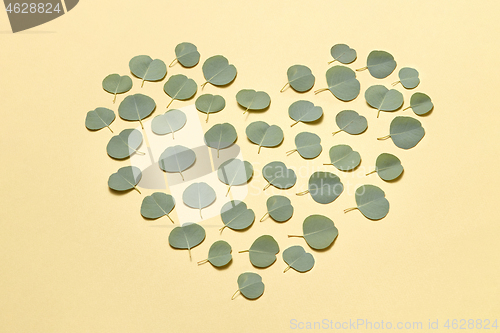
319,232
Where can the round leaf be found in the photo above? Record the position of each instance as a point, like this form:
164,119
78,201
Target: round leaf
208,103
420,103
308,144
124,144
220,136
300,78
125,178
388,166
304,111
380,64
157,205
176,159
136,107
279,208
371,202
235,172
383,99
406,132
199,196
342,83
218,71
187,54
180,87
187,236
219,254
344,158
116,84
147,69
263,251
262,134
253,100
250,285
343,53
351,122
169,122
99,118
319,231
278,175
325,187
408,77
297,258
235,215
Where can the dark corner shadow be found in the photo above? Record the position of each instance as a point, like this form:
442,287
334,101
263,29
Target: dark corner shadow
397,179
328,247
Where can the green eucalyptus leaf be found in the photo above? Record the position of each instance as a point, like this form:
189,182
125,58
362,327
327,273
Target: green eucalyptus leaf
420,103
342,83
388,167
343,53
218,71
408,77
324,187
279,208
263,251
383,99
344,158
186,54
199,196
308,145
406,132
124,144
157,205
278,175
126,178
235,215
300,78
319,231
147,69
262,134
186,236
180,87
350,122
136,107
219,254
371,202
380,64
250,285
220,136
99,118
297,258
116,84
169,122
304,111
253,100
234,172
177,159
208,104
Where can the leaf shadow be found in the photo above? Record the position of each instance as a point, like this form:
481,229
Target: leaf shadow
249,111
326,248
397,179
225,267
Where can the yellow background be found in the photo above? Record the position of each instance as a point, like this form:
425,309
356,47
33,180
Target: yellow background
77,258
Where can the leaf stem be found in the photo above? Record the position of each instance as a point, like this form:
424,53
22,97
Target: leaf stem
208,114
203,85
264,217
361,69
394,83
384,137
350,209
407,108
182,176
228,189
295,123
189,250
332,61
320,90
137,190
201,262
114,99
291,152
172,63
327,163
139,152
243,251
170,103
222,229
302,193
369,173
378,113
141,124
234,295
110,129
266,187
336,132
258,152
282,89
200,214
295,236
286,269
170,219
